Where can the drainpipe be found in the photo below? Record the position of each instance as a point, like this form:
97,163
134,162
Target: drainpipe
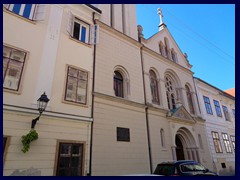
146,113
92,109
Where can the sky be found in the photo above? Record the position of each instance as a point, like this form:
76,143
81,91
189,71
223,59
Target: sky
206,32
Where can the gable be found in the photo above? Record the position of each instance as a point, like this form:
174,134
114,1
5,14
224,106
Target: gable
154,41
182,114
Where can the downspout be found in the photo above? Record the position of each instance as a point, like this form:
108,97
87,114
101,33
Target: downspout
92,109
146,113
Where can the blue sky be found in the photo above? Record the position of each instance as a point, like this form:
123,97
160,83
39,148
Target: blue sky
206,32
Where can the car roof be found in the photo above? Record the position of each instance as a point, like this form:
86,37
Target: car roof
176,162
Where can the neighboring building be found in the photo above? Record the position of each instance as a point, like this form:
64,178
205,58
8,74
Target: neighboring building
218,109
231,92
145,105
48,48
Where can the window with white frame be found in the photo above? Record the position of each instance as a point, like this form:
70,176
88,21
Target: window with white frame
226,143
207,105
233,142
28,11
81,30
225,111
217,108
216,141
76,85
13,63
233,111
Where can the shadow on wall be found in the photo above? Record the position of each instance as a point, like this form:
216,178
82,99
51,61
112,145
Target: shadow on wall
227,172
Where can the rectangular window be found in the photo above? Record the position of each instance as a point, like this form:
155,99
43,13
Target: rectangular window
233,111
226,114
216,141
207,105
226,143
233,142
80,31
123,134
13,63
217,108
76,85
70,159
25,10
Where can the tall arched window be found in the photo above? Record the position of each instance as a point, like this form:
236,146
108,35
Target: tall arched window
189,99
162,137
170,92
118,84
161,48
166,47
173,54
154,87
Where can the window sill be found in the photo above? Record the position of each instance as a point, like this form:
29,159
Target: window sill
20,17
75,104
80,42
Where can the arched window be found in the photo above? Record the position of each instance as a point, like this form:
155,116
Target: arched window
118,84
161,48
189,99
173,54
154,87
170,92
166,47
162,137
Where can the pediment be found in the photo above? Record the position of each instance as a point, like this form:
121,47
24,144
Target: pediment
182,114
153,44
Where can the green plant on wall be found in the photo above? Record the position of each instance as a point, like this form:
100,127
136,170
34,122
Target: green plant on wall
27,139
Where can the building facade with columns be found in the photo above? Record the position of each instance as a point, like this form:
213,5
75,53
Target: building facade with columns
145,104
218,109
48,48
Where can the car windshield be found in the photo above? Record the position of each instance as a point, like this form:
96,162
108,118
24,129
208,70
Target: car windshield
192,167
164,169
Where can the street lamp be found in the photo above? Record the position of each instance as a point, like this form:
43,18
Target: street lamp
41,104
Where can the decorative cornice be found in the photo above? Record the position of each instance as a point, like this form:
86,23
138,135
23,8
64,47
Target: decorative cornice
46,113
118,100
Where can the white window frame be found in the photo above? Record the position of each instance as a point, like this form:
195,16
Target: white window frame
37,12
92,31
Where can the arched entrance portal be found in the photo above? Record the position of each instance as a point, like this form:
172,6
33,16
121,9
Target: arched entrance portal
186,148
179,148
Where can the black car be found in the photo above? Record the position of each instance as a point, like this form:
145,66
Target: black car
182,168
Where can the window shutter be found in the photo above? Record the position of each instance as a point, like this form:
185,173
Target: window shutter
94,34
6,6
70,23
39,13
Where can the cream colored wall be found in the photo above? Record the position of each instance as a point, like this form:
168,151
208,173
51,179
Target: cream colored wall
112,157
114,51
42,153
73,53
20,33
157,121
